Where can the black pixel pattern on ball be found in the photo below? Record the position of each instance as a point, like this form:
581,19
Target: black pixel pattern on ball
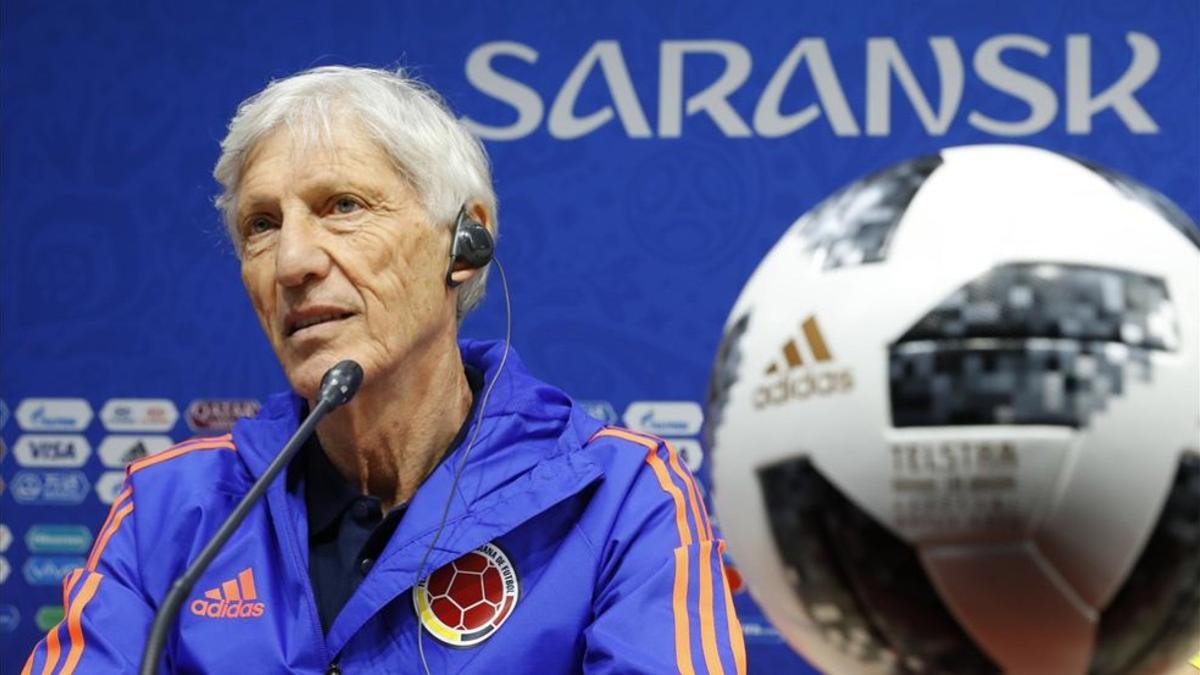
1154,621
1030,344
723,377
855,225
864,587
1152,199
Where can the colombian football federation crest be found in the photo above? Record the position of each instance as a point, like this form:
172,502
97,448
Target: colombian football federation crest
464,602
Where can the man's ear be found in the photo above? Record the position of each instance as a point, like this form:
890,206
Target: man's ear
461,271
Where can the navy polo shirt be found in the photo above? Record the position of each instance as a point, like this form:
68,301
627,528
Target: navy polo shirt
347,530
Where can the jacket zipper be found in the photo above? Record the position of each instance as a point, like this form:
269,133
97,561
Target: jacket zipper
298,564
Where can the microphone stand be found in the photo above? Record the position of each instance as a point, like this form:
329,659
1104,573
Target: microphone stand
338,386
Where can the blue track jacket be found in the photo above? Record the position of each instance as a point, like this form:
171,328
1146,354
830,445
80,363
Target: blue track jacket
570,547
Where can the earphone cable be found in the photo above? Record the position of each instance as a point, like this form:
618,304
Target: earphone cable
462,462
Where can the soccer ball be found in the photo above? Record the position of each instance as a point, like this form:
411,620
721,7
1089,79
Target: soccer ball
954,422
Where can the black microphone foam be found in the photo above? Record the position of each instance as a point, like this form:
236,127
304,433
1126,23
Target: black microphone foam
341,383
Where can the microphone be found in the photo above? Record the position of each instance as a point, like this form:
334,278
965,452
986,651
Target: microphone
338,386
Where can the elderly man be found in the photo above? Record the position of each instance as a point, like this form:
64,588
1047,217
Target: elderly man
457,515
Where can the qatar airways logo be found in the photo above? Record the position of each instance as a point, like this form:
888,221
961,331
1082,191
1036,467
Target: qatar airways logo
809,68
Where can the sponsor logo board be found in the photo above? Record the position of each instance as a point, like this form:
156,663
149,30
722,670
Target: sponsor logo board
5,569
10,618
665,418
235,598
601,410
689,451
139,414
54,414
48,616
218,415
56,538
49,570
62,451
50,487
118,451
108,486
6,537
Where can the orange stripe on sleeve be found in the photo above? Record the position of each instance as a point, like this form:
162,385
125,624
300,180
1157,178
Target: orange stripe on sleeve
53,648
216,443
28,669
736,641
703,528
112,510
708,626
102,542
75,622
683,639
664,479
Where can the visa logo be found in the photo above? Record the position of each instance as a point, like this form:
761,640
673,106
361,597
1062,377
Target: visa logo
58,451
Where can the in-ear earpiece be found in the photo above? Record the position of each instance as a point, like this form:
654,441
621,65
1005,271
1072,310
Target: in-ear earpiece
471,245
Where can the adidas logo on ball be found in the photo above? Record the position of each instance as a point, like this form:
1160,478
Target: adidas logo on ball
794,381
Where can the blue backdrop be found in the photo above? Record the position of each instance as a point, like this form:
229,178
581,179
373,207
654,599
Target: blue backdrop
646,157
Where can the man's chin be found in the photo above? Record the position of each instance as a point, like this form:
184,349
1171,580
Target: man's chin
305,378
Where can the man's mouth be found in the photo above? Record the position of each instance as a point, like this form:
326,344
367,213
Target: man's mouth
299,323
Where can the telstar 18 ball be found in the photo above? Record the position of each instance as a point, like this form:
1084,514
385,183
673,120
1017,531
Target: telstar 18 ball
954,422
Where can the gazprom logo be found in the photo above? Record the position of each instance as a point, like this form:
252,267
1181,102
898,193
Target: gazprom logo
53,538
50,487
665,418
49,570
54,414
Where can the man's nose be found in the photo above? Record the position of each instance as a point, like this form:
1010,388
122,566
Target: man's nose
300,256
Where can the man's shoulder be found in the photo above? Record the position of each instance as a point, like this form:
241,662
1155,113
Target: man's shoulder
642,469
204,460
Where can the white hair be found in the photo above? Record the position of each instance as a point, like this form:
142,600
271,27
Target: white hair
445,165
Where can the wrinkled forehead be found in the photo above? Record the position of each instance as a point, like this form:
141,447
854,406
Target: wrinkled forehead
296,156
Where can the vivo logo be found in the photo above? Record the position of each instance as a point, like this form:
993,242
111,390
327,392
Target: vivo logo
809,67
49,570
665,418
49,487
44,450
54,414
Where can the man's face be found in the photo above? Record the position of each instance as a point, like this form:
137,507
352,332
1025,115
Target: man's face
338,256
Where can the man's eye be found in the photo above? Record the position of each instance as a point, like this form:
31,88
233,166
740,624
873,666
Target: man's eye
345,205
258,225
